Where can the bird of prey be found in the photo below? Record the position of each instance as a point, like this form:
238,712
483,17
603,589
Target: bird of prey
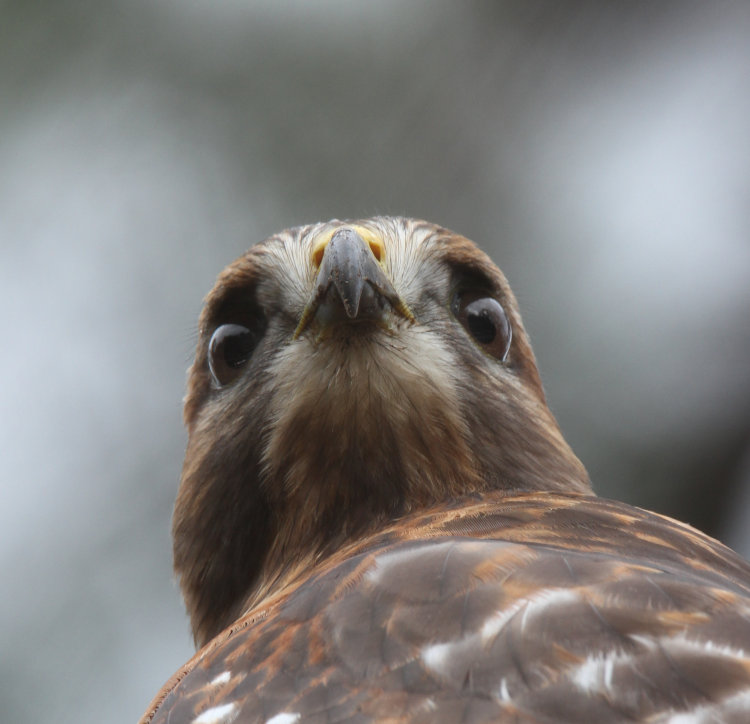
380,521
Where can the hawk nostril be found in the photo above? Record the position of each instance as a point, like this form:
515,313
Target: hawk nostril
377,249
317,255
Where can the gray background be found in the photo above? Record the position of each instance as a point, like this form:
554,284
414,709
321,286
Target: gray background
599,151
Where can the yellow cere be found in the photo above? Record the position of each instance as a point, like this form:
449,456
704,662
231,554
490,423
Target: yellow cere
374,242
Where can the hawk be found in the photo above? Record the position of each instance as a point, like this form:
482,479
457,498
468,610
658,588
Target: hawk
380,521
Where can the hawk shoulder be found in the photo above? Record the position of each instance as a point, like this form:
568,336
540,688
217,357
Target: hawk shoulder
539,607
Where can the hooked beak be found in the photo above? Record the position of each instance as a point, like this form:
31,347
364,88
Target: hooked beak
351,285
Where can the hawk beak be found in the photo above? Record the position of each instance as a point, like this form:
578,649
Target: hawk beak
351,285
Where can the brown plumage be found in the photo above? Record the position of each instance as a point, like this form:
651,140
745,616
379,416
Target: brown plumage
379,519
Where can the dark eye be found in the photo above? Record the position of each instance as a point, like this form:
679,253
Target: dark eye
230,348
485,320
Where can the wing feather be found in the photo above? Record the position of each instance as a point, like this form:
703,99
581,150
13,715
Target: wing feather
530,608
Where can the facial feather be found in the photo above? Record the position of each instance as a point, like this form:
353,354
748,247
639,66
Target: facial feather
331,434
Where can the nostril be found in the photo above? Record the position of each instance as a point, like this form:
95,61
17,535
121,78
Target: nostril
318,256
377,250
318,251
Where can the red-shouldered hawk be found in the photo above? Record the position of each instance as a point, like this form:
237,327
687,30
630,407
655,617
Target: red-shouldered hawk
379,519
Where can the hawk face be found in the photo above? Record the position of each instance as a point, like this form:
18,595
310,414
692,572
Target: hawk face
348,373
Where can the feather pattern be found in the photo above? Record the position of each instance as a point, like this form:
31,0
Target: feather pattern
492,610
380,521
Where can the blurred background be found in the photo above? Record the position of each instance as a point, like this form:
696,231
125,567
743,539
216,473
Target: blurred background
600,152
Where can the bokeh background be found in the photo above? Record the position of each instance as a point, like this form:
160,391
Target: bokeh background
599,151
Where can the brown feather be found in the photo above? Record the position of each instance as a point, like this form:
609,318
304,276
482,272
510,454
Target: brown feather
378,520
492,601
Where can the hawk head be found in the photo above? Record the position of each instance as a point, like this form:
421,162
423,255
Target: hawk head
346,374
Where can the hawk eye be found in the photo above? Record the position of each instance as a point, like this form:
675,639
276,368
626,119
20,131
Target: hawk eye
485,320
231,346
